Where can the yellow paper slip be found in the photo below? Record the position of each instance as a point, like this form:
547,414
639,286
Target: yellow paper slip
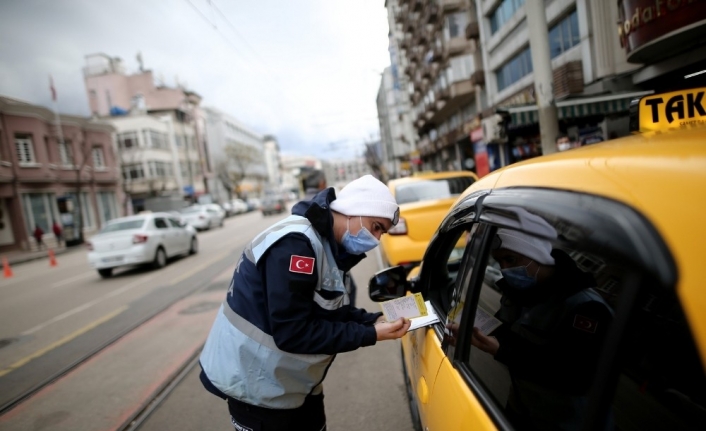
408,306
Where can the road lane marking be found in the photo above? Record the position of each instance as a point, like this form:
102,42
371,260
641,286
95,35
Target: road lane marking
62,341
89,304
72,279
198,268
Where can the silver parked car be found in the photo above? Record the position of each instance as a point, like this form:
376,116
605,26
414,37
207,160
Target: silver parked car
142,239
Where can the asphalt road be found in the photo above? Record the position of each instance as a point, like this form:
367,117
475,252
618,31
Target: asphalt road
51,316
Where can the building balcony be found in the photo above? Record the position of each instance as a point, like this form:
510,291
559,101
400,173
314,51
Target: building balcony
454,97
451,5
473,30
431,13
457,45
478,78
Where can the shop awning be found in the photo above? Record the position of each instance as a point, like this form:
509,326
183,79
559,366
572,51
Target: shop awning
577,107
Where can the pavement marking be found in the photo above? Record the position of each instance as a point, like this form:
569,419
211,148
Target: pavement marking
90,304
198,268
72,279
62,341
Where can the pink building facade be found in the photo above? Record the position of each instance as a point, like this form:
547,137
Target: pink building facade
43,180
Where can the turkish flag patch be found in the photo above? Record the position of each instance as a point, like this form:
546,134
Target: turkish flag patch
583,323
301,264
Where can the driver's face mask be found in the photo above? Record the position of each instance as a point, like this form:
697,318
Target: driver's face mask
518,277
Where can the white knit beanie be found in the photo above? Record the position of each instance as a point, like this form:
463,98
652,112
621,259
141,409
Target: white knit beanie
533,247
367,197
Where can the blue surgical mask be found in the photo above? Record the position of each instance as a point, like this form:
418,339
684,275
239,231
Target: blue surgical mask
518,278
364,241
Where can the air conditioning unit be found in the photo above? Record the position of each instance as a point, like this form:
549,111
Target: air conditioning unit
494,129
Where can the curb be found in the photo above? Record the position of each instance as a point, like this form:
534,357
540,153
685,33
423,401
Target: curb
45,255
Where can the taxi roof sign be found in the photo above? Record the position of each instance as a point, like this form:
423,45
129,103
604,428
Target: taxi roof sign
674,110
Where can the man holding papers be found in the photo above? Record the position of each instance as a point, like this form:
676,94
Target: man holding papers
553,324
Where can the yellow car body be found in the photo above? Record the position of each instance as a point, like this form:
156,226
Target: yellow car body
424,200
650,189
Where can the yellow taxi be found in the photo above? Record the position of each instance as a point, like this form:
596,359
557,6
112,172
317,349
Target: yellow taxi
424,200
578,300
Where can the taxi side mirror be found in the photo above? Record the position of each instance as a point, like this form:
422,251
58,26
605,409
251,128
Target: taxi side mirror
390,283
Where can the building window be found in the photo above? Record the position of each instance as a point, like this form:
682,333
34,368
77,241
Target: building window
503,13
25,149
157,139
160,169
460,68
133,172
564,35
128,140
98,158
515,69
455,25
66,153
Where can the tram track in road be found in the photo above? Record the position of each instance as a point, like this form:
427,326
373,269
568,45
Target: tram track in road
136,421
25,394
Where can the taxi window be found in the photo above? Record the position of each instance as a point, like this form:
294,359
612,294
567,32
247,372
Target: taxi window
446,267
539,325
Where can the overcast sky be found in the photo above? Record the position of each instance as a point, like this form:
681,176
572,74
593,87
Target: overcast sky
306,71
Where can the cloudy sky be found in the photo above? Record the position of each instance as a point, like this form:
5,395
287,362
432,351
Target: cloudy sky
306,71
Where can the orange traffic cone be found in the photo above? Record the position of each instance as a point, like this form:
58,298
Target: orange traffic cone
7,271
52,258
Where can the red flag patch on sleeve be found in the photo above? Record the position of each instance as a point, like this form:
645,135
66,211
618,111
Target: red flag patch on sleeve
301,264
585,324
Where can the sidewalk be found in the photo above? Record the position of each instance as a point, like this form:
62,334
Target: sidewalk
21,256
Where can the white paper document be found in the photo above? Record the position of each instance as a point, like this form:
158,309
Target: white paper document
409,306
485,321
427,320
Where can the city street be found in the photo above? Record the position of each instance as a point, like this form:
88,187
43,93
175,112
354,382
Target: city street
143,330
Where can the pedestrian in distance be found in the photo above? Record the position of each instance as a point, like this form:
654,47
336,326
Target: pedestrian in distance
38,234
57,233
287,311
313,183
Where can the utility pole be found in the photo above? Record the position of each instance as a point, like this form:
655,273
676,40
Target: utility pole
543,79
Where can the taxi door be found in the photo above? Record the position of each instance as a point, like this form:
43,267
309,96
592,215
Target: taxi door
443,398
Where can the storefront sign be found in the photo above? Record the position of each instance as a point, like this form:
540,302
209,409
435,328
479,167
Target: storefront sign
648,27
477,134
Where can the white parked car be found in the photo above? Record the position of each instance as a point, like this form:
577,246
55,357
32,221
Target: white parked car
239,206
203,217
142,239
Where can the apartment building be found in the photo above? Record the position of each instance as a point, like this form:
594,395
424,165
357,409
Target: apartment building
440,56
155,123
69,177
237,155
604,54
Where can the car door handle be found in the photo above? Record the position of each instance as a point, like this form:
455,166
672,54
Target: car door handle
423,390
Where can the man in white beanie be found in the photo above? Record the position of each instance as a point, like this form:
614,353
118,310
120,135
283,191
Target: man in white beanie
287,312
554,323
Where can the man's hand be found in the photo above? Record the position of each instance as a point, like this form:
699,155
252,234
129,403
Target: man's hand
392,330
485,343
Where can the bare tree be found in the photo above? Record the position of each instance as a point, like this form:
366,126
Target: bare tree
238,158
79,165
223,176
